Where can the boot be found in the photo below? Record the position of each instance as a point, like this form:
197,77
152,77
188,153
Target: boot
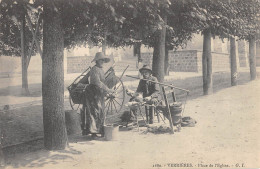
147,114
151,115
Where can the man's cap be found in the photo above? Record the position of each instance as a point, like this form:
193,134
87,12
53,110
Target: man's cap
145,67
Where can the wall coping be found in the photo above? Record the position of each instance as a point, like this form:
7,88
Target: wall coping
216,52
194,50
78,56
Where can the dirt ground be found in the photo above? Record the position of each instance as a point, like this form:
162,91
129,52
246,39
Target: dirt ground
226,136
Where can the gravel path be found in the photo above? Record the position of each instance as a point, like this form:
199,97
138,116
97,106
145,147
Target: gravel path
226,136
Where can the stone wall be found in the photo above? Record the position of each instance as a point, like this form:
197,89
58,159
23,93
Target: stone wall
220,61
191,61
180,61
183,61
78,64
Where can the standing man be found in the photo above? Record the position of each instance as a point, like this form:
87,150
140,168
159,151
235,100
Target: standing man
149,90
95,97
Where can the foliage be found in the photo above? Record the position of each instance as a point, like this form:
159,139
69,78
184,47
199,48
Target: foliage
11,16
120,22
226,18
249,19
124,22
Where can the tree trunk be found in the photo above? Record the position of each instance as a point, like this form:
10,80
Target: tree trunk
104,44
156,58
137,50
34,34
207,63
252,59
2,156
233,61
257,54
166,62
159,54
55,134
25,89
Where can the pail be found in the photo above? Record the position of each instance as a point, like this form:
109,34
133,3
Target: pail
111,132
176,114
175,109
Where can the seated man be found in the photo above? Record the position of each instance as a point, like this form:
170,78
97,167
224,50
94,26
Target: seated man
149,90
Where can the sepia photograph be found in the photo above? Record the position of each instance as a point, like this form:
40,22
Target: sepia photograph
129,84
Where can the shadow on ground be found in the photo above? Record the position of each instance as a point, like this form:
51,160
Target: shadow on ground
18,156
20,125
41,158
35,91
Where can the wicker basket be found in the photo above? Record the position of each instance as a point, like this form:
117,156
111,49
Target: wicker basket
77,93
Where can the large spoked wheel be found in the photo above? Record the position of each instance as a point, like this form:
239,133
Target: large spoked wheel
114,102
76,107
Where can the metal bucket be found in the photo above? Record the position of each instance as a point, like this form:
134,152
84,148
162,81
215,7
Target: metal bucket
176,114
111,132
175,109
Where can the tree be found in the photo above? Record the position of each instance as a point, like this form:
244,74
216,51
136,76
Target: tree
137,50
207,63
66,24
9,33
13,15
134,22
159,54
152,32
244,22
174,16
179,28
252,58
24,58
218,18
249,12
55,135
257,53
166,61
121,22
204,14
15,34
233,61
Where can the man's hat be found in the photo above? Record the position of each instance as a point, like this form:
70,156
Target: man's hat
100,55
145,67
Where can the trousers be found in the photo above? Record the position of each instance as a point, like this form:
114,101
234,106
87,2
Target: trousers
149,110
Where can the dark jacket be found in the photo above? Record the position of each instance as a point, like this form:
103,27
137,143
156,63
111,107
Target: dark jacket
149,88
